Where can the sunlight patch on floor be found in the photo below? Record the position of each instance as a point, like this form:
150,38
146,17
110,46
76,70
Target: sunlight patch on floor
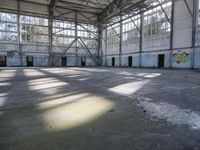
79,112
83,79
65,99
42,80
148,75
74,76
3,99
125,73
128,88
7,75
40,84
33,73
152,75
5,84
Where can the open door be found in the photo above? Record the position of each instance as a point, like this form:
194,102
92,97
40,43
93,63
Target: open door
161,61
3,61
29,60
130,61
83,62
113,61
64,61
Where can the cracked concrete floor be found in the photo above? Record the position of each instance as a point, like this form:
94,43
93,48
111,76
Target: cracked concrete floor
99,109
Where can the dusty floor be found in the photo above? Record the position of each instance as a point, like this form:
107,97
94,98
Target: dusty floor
99,109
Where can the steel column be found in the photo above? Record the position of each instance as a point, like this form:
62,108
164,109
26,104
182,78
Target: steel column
99,44
171,35
141,39
194,18
106,46
18,32
51,36
76,37
120,40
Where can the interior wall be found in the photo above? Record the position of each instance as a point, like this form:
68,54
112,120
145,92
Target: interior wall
182,54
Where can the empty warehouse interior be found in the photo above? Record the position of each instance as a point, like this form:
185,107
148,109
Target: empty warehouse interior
99,74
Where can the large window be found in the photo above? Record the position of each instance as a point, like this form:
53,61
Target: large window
155,20
34,29
8,27
131,27
113,33
63,32
88,34
131,33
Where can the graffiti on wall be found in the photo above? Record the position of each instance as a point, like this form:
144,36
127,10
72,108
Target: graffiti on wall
181,57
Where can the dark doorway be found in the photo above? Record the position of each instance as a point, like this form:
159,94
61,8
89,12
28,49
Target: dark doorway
113,61
3,61
130,61
64,61
83,62
161,61
29,60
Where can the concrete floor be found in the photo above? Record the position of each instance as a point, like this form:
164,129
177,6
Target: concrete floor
99,109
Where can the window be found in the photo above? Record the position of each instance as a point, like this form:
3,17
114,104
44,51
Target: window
8,27
113,32
89,34
63,32
34,29
131,27
155,20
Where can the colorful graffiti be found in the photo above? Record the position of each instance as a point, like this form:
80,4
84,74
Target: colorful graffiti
181,57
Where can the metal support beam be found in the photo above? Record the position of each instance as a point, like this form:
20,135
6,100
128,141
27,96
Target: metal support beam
94,33
141,39
90,20
52,6
194,23
163,10
62,14
106,46
50,36
99,44
76,37
18,32
171,34
120,40
118,35
134,24
69,46
84,45
133,9
188,7
69,28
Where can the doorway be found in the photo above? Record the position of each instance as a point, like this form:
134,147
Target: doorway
130,61
113,61
64,61
161,61
83,62
29,60
3,61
